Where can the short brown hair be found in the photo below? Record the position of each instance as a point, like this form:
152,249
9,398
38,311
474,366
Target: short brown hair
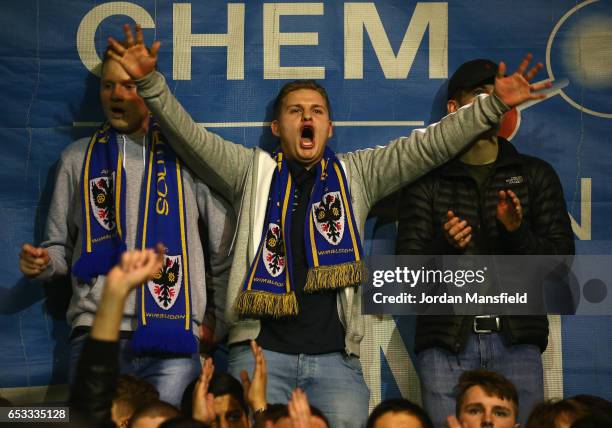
154,409
544,415
296,85
494,384
132,393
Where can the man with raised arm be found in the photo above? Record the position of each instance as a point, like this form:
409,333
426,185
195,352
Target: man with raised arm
298,253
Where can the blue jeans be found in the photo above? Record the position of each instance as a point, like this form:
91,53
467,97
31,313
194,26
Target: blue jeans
439,371
169,375
333,382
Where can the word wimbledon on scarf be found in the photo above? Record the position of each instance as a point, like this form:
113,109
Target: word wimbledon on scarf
164,308
333,245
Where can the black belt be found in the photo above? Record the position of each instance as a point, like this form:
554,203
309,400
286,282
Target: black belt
486,324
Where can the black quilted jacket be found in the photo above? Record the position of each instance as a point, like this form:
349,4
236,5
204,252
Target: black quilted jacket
545,230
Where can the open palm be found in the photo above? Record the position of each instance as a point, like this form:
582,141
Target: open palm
515,89
136,59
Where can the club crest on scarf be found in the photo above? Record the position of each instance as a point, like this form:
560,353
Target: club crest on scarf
101,200
328,216
274,251
332,244
166,284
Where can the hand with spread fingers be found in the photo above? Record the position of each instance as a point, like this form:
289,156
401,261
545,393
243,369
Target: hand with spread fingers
458,232
509,211
133,55
203,401
515,89
33,260
255,388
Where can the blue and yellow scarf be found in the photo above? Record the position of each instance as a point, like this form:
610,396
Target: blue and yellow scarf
164,308
333,245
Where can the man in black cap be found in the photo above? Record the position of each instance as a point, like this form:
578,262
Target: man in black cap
488,200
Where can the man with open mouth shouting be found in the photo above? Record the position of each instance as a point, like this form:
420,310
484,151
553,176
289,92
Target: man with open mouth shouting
298,258
124,188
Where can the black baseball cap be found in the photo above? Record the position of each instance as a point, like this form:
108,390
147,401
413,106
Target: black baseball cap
471,74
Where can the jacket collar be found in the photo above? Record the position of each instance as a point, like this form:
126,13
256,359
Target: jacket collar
507,155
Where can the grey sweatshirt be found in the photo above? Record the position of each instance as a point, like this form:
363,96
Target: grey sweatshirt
63,236
244,175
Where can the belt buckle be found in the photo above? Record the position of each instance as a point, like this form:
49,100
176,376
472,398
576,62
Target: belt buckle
477,330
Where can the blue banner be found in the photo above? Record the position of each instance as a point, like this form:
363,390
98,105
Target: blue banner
385,65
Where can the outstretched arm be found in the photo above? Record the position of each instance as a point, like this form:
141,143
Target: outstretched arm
219,163
98,365
383,170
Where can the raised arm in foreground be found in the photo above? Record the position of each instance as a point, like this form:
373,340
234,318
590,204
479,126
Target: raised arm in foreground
98,365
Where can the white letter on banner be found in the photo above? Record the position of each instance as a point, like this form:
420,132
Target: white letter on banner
273,39
184,40
86,33
358,16
583,230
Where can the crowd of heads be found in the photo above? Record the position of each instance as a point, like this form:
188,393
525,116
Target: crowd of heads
484,399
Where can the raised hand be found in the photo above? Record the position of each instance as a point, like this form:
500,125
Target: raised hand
515,89
299,410
135,267
509,211
33,260
203,401
458,232
255,388
136,59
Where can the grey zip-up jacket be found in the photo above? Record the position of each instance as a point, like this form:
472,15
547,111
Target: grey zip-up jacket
244,176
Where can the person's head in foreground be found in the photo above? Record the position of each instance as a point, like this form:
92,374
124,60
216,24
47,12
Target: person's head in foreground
153,414
277,416
398,413
231,410
302,121
131,394
575,412
486,399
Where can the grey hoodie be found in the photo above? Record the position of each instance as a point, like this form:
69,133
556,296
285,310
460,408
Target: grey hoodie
63,235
